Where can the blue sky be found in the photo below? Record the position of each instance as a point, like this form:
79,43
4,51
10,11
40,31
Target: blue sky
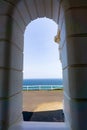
41,54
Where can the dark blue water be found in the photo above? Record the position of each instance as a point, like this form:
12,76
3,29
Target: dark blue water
42,84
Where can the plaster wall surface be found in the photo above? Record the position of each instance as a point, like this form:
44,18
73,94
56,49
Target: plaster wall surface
70,15
74,63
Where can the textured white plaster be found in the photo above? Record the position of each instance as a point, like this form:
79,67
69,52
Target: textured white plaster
11,109
63,54
10,82
75,82
77,50
76,21
67,4
11,56
76,111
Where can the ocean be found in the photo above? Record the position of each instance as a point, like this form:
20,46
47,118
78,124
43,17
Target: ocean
42,84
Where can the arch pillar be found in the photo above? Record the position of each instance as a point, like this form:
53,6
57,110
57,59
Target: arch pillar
73,55
11,66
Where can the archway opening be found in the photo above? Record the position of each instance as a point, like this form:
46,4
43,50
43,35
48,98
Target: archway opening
42,84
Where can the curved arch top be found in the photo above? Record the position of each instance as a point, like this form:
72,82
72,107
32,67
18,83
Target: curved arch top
28,10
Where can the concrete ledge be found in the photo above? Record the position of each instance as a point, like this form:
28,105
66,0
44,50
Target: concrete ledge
39,126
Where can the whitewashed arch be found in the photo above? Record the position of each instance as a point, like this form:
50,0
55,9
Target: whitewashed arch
70,16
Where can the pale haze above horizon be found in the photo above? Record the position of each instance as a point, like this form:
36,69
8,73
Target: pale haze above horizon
41,54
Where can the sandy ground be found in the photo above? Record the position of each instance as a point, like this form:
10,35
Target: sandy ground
34,101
